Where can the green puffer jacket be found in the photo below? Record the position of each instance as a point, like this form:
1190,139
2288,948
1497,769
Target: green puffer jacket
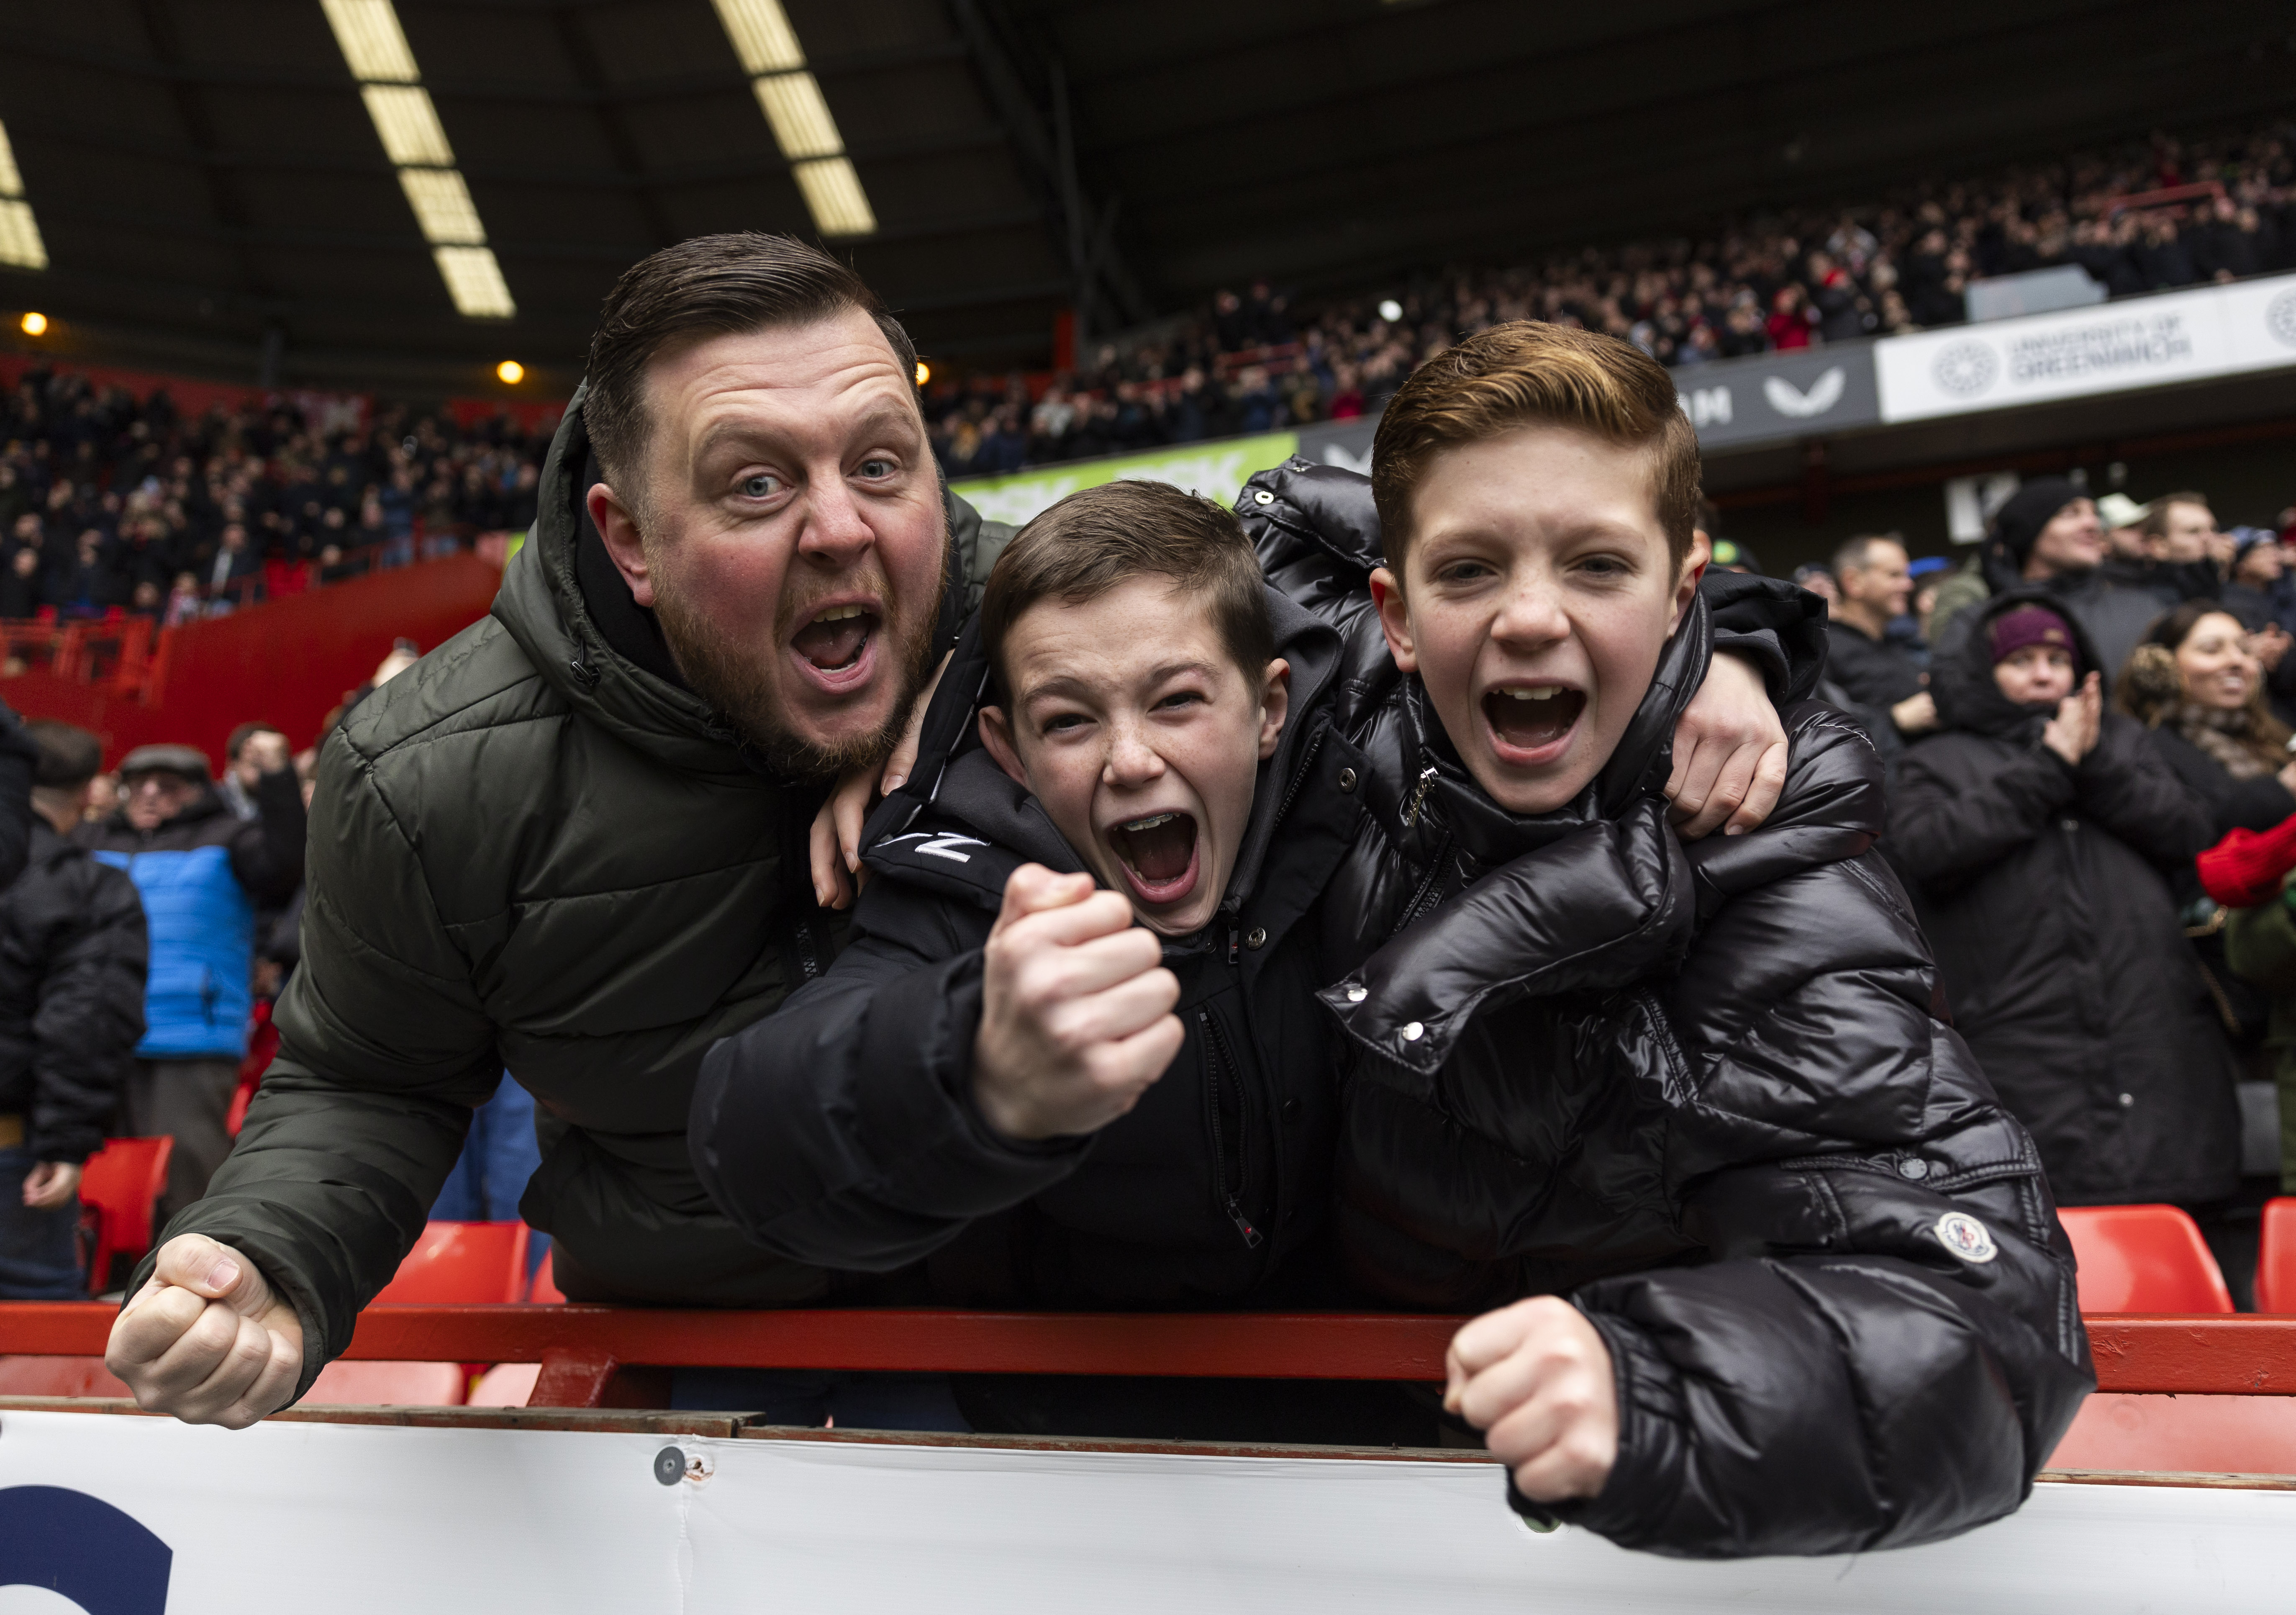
528,852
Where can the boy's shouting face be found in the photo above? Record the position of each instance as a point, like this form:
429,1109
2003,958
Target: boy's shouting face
1142,738
1537,591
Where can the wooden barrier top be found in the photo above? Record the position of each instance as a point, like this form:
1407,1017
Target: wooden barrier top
2238,1354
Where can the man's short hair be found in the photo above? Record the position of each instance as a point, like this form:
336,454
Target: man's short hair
239,736
712,285
1852,556
1099,538
2154,522
1527,373
69,755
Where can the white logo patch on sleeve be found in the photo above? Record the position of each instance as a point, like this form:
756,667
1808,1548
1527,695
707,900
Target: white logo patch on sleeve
1966,1238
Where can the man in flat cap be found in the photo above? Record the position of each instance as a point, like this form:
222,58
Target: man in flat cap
202,872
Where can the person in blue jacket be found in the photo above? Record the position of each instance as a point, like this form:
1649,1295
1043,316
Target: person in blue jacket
202,872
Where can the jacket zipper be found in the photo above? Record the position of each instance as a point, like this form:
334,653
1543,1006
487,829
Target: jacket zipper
1422,899
1231,1183
1299,774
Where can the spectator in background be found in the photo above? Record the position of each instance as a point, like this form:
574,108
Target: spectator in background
72,954
2180,538
2039,833
19,583
2047,535
1872,659
244,769
2194,682
203,873
236,566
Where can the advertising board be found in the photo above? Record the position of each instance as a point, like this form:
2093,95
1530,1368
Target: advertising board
116,1514
2140,342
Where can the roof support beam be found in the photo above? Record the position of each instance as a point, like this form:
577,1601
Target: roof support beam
1043,143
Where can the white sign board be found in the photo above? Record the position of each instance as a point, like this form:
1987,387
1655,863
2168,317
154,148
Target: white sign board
2153,341
153,1516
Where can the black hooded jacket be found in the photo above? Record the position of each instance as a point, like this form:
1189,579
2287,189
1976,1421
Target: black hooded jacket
841,1130
72,958
2047,891
1699,1091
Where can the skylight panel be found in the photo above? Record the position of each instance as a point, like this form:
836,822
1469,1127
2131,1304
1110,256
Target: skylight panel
798,115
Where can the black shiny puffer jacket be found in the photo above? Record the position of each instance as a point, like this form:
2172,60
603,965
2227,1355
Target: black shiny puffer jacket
1700,1092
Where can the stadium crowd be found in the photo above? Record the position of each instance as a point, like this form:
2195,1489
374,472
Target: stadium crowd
2089,794
2093,802
1254,362
112,503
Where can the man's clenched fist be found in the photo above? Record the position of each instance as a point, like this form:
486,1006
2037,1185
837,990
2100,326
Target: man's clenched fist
205,1338
1535,1379
1075,1015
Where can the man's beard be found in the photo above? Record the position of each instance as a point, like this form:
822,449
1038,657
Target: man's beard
737,681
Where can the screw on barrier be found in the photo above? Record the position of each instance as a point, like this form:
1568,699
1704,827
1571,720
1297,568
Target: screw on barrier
669,1466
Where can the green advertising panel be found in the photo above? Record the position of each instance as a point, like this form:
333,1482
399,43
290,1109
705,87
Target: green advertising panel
1217,470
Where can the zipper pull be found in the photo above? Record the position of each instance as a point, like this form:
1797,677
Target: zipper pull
1232,938
1418,797
1251,1235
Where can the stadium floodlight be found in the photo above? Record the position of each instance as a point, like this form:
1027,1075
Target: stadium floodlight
510,373
34,322
21,246
406,121
798,115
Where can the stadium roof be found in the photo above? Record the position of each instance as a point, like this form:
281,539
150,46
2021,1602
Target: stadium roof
209,176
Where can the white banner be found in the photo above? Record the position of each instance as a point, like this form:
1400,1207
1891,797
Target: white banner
139,1516
2152,341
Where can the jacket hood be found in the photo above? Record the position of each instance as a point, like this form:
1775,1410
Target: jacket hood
541,603
1967,698
960,791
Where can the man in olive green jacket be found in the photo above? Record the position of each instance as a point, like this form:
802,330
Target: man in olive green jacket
572,841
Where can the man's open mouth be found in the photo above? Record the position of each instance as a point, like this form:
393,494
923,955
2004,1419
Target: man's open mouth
835,643
1159,855
1532,718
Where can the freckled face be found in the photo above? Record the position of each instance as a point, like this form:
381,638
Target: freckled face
1537,592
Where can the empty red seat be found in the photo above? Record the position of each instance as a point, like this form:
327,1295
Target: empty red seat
2144,1259
2276,1262
545,1287
462,1264
117,1188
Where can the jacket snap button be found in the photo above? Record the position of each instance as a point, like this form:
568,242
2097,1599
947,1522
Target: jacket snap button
1264,496
1347,779
1255,937
1357,995
2127,1100
1290,1109
1412,1031
1914,1169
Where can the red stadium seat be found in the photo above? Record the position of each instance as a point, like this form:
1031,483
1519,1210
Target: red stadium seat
2275,1263
545,1287
462,1264
117,1188
387,1384
2144,1259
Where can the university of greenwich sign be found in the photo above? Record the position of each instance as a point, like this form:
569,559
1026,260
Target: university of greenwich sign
2152,341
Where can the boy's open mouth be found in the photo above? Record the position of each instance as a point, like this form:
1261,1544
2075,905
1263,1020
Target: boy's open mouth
1158,853
1532,718
835,644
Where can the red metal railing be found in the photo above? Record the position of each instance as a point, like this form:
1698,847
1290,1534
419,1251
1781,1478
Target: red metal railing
598,1355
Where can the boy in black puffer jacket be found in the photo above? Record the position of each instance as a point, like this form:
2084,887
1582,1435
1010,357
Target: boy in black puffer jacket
71,1006
1817,1298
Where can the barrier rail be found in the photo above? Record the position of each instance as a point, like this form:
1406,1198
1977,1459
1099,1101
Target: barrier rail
596,1357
